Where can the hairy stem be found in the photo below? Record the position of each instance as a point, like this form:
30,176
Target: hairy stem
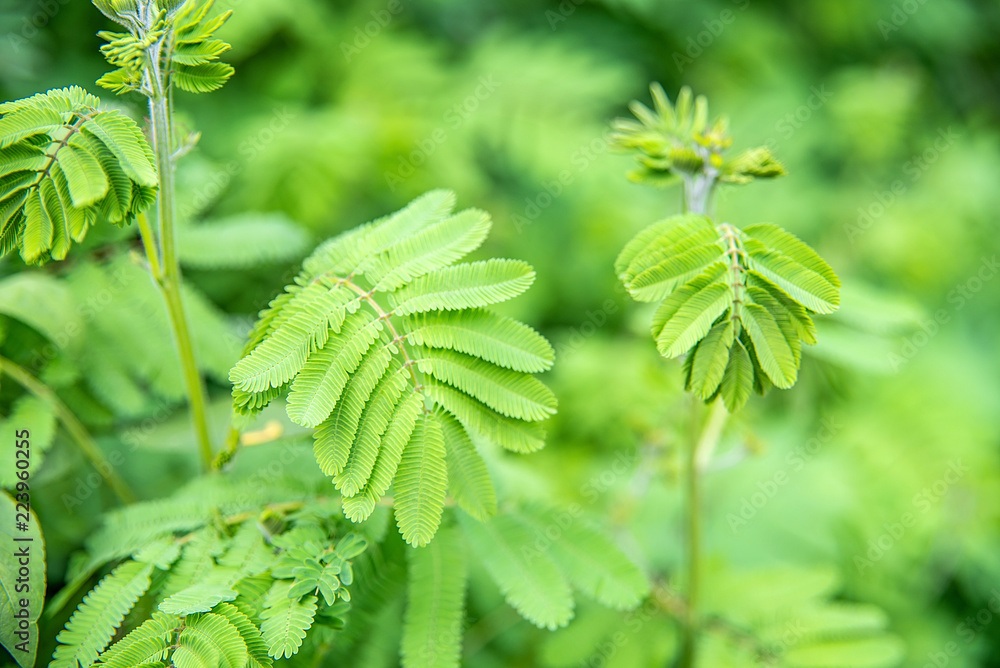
168,263
72,424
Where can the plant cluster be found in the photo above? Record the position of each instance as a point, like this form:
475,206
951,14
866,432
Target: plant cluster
389,352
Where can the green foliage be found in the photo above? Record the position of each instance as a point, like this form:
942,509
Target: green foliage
838,105
736,303
129,365
226,591
64,164
178,37
432,632
784,617
537,557
383,343
240,242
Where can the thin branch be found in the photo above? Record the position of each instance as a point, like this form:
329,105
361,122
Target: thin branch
72,424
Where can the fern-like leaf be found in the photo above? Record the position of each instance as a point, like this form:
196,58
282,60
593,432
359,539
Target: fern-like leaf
285,620
63,160
240,242
382,326
530,581
94,623
593,564
432,628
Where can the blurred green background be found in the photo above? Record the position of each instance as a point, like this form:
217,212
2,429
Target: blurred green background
885,114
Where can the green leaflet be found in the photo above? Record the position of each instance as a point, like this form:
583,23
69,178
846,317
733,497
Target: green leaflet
432,628
397,434
510,393
800,282
464,286
252,639
494,338
345,253
310,316
468,478
695,312
334,439
710,358
773,352
383,328
63,160
737,380
421,482
434,247
373,422
319,384
512,434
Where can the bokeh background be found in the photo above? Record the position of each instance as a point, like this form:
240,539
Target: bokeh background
881,466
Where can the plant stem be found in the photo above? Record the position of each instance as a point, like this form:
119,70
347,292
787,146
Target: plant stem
697,191
72,424
169,280
698,455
